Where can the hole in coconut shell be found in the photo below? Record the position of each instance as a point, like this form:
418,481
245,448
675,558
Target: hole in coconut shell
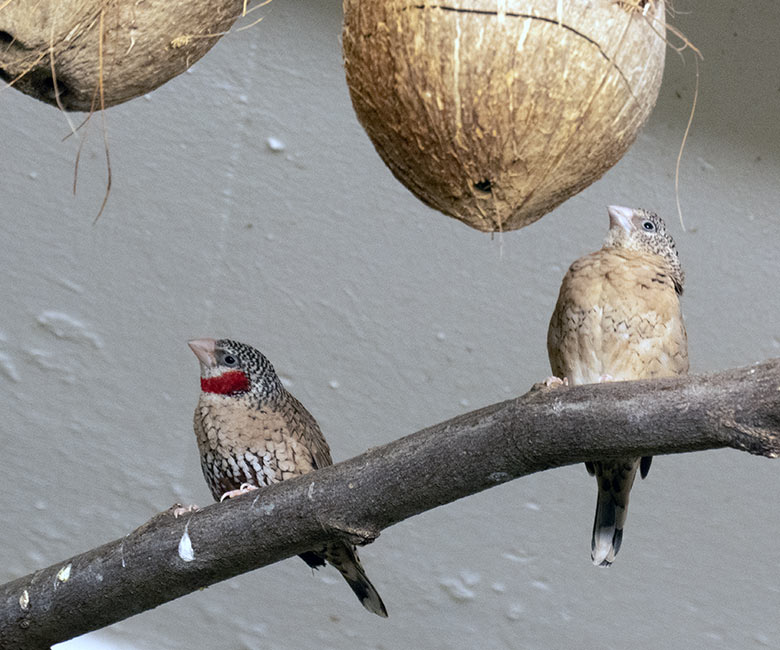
44,84
633,5
484,185
5,38
41,83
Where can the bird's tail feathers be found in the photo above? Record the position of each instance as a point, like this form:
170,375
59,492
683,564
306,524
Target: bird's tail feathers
607,529
345,559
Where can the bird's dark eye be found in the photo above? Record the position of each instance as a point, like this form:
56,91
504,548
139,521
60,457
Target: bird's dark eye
229,360
649,226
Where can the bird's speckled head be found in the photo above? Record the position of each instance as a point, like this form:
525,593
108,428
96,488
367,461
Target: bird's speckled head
232,368
644,231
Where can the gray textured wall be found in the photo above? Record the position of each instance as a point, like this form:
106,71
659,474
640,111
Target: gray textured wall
384,317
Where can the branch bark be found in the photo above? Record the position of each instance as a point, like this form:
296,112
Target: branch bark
356,499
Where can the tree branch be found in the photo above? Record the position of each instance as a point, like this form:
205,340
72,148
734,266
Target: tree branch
356,499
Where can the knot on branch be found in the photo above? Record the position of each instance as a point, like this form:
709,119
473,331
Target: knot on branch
356,535
761,441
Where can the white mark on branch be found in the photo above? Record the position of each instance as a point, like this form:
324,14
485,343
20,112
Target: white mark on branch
24,600
63,575
311,491
122,551
267,508
186,552
499,477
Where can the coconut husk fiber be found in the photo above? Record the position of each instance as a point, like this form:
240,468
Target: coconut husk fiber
51,49
497,111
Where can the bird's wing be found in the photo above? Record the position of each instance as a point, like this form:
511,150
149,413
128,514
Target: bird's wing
643,315
574,335
304,430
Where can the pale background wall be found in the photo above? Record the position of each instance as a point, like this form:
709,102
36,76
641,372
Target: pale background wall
384,317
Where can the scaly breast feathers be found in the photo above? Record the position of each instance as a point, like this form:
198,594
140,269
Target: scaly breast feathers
246,445
622,321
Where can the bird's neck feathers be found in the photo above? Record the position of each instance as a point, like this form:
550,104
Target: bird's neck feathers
232,382
621,243
236,383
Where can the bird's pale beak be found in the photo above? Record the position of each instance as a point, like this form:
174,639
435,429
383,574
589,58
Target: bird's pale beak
620,216
204,350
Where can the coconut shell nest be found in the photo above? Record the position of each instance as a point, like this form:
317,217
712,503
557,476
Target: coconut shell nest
87,54
497,111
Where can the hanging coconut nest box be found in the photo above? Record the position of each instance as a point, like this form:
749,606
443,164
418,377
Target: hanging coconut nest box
83,55
497,111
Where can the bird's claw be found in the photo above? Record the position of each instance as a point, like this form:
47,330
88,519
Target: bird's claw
553,381
177,510
245,487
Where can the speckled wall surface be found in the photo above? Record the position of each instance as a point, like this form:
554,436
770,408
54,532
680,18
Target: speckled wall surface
248,202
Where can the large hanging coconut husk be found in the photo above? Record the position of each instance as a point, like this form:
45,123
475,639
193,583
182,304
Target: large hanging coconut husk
496,111
144,44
